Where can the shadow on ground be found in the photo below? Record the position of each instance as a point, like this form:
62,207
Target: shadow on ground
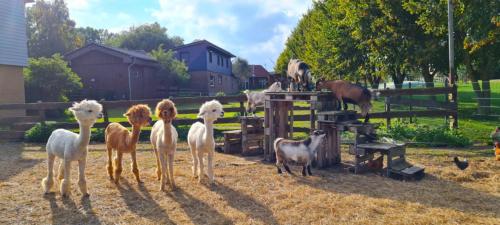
445,194
12,162
69,213
142,203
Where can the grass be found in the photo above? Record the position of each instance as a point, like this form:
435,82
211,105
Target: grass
250,192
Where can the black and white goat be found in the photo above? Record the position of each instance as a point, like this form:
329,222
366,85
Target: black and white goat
300,152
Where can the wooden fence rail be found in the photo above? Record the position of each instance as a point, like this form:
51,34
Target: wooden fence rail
432,108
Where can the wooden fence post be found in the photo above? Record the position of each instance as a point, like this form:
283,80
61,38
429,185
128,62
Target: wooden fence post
242,108
388,110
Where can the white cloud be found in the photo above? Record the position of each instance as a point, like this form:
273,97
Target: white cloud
79,5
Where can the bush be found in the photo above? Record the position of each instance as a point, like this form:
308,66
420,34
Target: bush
39,133
220,94
97,135
426,136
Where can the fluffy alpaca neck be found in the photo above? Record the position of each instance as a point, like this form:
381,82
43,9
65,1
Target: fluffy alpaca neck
84,136
134,137
167,132
208,136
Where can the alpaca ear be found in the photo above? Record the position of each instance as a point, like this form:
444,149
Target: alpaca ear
201,114
126,114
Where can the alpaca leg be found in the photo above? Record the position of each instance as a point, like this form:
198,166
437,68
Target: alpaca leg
210,168
65,182
135,169
345,104
200,166
158,170
367,117
82,182
163,171
171,169
195,161
110,163
304,171
60,173
48,181
118,166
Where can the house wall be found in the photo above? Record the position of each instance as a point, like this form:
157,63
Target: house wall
196,59
106,76
223,69
13,47
11,88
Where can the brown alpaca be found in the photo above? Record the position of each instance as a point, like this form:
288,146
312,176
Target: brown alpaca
119,138
164,140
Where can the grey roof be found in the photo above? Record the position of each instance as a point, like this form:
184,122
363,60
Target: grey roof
209,44
140,54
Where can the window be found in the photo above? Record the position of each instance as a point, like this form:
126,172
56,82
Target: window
210,57
218,60
227,62
220,79
211,82
222,61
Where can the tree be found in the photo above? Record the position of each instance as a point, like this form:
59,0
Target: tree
50,79
241,69
50,30
91,35
145,37
171,67
477,35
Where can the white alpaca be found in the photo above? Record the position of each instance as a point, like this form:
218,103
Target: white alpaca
255,99
164,140
201,138
69,146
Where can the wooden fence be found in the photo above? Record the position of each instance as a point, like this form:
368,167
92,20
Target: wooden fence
433,108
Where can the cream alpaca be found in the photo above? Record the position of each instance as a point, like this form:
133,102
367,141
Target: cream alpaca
201,138
164,141
69,146
119,138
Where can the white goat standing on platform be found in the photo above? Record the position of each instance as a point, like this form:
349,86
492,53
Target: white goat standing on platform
257,98
69,146
201,138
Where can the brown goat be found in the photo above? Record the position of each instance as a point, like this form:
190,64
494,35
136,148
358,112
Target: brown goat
346,92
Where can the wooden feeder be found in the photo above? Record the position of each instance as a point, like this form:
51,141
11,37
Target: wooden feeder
279,116
248,140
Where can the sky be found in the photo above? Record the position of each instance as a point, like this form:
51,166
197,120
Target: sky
252,29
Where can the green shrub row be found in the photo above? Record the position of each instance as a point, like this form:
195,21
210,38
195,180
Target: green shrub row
423,135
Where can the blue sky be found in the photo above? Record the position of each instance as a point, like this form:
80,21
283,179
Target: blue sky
253,29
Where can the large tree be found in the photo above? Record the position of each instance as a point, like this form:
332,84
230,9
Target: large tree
477,38
91,35
50,79
145,37
171,68
50,30
241,69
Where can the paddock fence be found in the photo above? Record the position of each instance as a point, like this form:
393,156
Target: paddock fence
398,103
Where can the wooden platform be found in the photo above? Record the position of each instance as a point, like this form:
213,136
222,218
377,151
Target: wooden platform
278,110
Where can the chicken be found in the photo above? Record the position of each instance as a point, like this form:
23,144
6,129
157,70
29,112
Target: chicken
462,165
377,163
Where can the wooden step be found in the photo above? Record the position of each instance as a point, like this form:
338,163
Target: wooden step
8,135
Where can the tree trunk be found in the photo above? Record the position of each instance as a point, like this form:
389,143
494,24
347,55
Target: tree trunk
428,77
486,102
398,79
483,101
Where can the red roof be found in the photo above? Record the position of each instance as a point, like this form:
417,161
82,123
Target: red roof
259,71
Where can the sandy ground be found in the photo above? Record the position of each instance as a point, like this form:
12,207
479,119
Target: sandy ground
250,192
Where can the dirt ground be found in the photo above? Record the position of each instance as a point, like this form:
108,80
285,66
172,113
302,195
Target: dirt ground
250,192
